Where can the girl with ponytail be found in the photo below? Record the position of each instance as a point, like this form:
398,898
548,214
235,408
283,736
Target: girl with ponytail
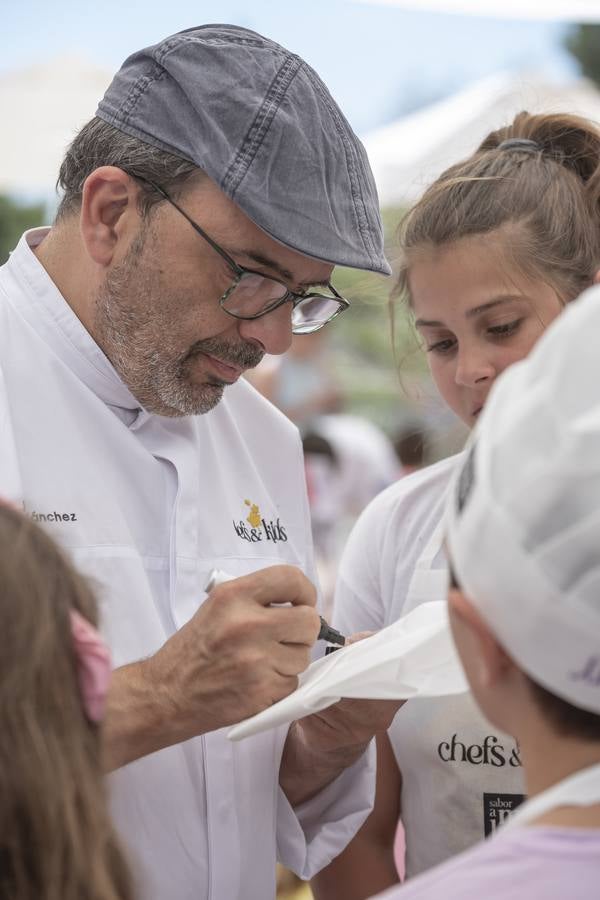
490,255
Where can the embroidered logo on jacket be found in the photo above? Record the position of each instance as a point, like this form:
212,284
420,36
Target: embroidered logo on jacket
255,528
254,515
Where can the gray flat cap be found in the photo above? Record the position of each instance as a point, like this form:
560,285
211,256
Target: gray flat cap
261,123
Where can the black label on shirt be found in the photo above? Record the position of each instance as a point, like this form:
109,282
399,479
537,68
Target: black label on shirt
497,808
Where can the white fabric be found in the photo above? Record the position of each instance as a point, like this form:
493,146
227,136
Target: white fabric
524,516
413,657
146,506
461,776
339,489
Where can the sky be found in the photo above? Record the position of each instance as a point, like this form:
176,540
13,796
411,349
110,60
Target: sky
378,61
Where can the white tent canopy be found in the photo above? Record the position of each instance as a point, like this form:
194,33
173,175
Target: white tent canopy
557,10
410,153
41,109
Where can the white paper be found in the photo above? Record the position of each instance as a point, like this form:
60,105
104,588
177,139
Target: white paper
414,657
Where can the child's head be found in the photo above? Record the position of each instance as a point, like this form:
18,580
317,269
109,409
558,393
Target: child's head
497,246
523,526
56,840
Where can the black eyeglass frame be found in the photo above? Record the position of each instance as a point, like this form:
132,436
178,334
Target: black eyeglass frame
239,271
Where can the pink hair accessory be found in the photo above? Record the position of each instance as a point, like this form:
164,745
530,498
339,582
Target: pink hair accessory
93,665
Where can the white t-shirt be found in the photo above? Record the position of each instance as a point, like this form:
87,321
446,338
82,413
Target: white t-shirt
147,506
461,776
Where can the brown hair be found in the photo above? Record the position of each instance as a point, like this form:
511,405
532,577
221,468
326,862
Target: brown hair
564,718
544,198
100,144
56,838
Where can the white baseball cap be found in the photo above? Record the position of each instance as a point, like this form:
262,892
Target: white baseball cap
523,514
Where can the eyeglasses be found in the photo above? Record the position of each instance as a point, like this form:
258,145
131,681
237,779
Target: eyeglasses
252,295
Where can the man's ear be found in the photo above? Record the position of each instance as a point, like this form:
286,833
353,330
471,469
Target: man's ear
488,661
108,212
596,278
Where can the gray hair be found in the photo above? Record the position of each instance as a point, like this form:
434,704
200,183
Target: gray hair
99,144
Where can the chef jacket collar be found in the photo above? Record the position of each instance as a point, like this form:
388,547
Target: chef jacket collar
51,316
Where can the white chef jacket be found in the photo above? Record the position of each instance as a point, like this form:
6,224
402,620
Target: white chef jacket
147,505
461,776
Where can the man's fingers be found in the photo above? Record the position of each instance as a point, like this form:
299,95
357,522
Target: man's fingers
275,584
294,625
290,659
258,625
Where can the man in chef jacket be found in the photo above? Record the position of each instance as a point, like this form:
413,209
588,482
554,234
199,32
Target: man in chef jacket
204,208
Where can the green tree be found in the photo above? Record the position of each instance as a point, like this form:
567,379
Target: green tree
14,220
583,42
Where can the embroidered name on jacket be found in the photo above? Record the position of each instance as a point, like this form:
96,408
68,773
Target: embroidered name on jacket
53,516
256,528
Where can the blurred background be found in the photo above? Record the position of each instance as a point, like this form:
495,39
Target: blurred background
421,82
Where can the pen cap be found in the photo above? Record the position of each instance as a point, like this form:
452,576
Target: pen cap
215,578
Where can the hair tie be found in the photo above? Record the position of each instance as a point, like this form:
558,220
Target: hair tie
524,144
93,665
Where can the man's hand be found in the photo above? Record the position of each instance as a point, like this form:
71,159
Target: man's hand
236,656
319,747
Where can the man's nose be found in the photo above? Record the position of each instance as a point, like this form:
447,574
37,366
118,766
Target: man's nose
272,331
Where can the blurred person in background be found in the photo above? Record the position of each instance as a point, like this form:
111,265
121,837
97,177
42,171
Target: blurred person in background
348,461
127,430
57,841
301,382
492,253
521,528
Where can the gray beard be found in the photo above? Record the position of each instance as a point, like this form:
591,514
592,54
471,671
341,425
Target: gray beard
133,328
